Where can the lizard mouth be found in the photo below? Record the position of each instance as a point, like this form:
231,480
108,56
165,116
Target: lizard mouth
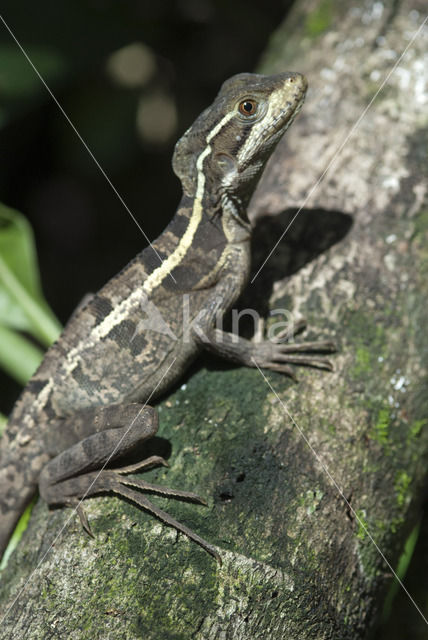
294,91
276,129
286,118
286,103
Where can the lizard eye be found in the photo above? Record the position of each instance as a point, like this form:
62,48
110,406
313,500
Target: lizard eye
248,107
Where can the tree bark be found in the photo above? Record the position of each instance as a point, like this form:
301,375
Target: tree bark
311,486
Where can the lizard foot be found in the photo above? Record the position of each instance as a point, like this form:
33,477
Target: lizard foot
109,480
278,353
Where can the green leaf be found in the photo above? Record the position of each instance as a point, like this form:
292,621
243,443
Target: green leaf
3,422
17,77
401,570
22,305
17,534
18,357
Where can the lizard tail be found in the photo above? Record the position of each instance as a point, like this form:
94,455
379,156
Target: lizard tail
18,484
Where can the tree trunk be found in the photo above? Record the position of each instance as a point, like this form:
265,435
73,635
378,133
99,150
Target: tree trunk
313,487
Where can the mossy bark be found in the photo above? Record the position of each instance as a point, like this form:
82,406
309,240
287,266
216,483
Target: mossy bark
305,482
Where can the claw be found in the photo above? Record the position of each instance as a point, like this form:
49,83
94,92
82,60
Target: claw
322,346
163,491
142,501
307,361
289,333
84,520
108,480
148,463
281,368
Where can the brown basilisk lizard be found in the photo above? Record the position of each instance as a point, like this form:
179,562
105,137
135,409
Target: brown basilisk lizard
86,404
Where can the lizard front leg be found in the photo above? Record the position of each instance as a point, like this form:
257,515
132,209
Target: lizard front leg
268,355
80,470
275,355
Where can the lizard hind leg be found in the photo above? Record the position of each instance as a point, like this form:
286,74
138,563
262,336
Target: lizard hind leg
80,471
112,481
74,490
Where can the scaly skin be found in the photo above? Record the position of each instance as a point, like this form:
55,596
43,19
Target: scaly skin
87,398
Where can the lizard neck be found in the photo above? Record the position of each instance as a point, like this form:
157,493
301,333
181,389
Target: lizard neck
212,198
194,244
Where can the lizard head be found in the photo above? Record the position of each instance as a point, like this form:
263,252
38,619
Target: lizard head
222,155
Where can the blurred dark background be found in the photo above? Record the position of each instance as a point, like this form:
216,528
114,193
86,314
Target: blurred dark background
132,76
